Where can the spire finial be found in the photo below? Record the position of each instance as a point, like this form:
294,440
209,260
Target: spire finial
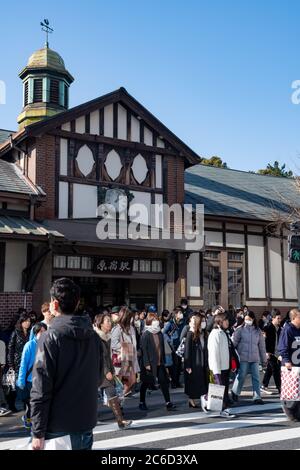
45,27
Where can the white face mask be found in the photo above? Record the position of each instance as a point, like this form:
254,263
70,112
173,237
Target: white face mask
203,325
249,322
155,323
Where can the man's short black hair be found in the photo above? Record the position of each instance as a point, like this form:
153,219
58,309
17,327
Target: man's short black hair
183,302
275,313
67,293
38,327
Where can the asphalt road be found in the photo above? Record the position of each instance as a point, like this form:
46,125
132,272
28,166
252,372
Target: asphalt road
255,427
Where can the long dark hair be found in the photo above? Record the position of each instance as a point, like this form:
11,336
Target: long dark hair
23,317
199,316
125,318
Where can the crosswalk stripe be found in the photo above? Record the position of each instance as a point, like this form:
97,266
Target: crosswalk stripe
185,431
170,419
184,417
243,441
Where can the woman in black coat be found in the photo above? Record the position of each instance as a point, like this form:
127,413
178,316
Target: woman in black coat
196,360
16,344
153,362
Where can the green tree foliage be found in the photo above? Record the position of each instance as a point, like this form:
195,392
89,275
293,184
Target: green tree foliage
214,161
276,170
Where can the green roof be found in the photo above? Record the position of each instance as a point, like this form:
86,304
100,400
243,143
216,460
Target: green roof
21,226
234,193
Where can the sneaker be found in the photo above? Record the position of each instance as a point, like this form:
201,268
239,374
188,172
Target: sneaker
170,406
234,396
258,401
204,404
4,411
142,406
226,414
26,422
265,390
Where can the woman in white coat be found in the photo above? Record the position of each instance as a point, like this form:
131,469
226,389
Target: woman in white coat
219,357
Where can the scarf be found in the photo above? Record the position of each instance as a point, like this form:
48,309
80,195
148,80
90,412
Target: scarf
152,329
105,336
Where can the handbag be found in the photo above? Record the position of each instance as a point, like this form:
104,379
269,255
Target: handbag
9,379
116,360
290,384
181,348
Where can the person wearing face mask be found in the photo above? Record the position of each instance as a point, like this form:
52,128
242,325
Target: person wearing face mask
264,321
219,359
173,330
250,344
186,309
115,315
153,362
239,319
196,360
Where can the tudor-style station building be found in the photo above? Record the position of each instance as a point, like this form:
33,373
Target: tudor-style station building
74,156
63,163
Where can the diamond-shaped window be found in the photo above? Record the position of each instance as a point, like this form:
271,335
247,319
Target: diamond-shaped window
85,160
113,164
139,168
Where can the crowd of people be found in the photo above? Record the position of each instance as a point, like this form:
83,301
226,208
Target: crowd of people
65,360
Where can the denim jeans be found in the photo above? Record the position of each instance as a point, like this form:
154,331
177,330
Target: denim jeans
245,368
79,440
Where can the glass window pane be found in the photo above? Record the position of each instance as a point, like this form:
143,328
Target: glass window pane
145,265
156,266
235,256
59,261
73,262
135,265
86,262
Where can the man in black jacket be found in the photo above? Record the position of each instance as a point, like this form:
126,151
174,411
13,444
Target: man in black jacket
67,372
272,333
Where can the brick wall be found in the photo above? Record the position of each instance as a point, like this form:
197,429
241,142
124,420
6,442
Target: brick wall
45,174
10,302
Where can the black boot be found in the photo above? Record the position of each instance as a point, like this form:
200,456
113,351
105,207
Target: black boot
114,403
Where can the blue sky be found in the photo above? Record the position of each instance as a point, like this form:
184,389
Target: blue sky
218,73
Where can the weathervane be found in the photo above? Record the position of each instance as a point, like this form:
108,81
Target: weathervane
47,29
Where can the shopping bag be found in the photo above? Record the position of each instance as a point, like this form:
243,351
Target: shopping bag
290,384
215,397
9,380
181,348
59,443
119,388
